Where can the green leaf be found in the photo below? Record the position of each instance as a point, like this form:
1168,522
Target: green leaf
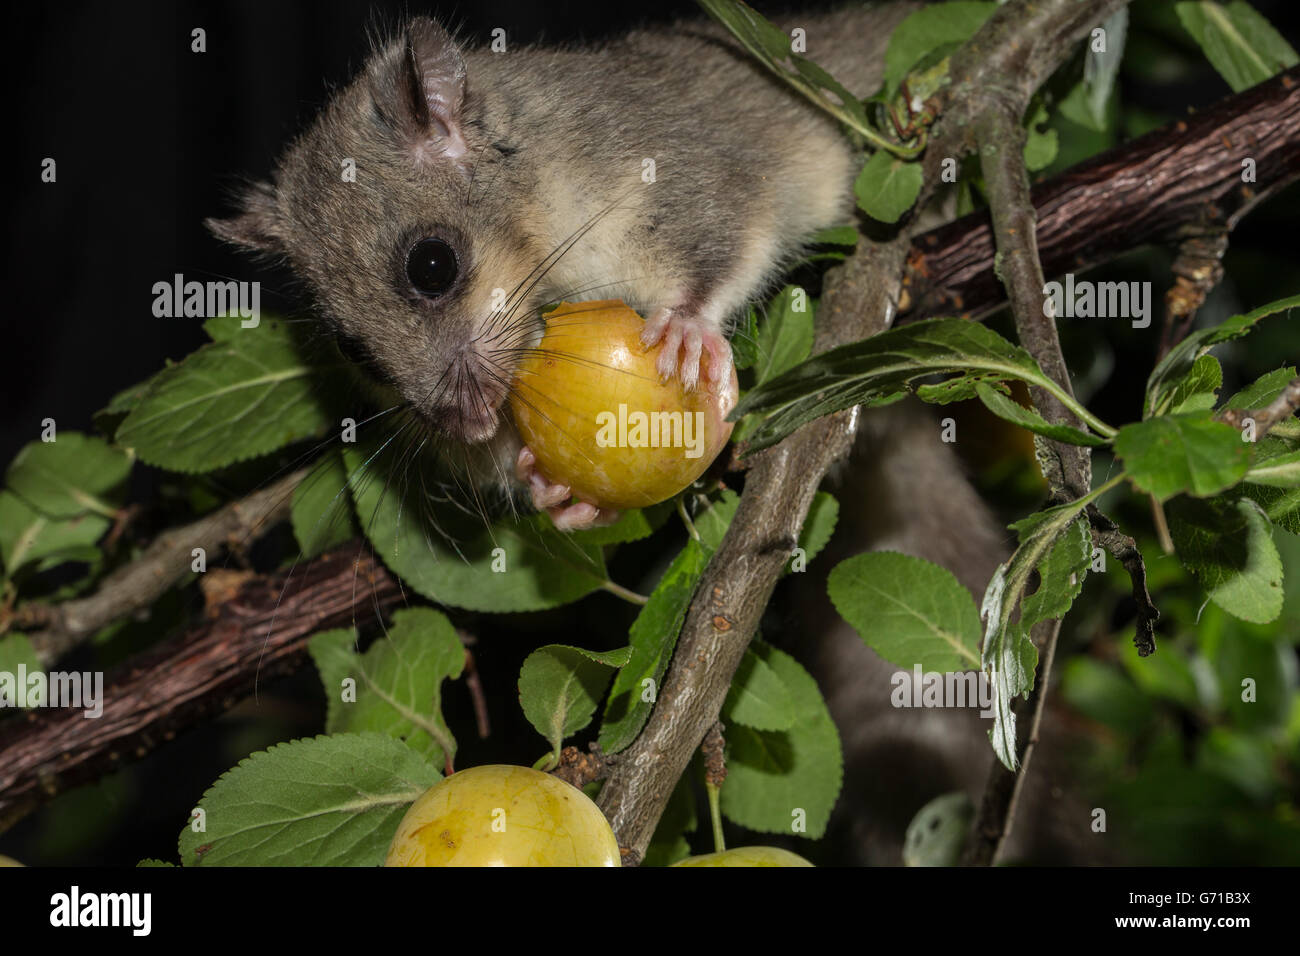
1263,390
242,396
1055,544
448,557
776,778
74,475
1191,453
744,341
887,186
1041,145
1196,391
1100,691
1167,675
785,336
772,47
908,610
835,236
397,682
110,417
148,863
819,526
1228,547
1010,410
1280,472
1281,506
878,369
633,525
16,651
1060,575
560,686
653,634
1261,393
1178,362
925,31
1101,69
1238,42
321,510
757,697
27,536
325,801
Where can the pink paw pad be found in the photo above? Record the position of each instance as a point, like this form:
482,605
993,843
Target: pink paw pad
685,339
554,499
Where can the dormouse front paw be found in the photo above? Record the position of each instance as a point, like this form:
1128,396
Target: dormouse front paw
554,499
686,339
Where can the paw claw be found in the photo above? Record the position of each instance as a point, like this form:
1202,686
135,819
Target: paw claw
545,494
554,499
580,516
684,343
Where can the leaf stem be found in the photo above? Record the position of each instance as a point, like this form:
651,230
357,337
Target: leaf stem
547,762
686,518
1074,405
632,597
715,814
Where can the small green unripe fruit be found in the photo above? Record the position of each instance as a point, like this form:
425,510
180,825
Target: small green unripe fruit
499,815
747,856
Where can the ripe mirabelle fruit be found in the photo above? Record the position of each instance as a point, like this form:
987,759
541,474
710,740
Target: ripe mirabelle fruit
499,815
589,403
747,856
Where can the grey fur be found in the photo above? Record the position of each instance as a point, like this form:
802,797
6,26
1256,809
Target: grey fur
509,155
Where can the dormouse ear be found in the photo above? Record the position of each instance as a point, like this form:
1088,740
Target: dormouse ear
421,95
257,226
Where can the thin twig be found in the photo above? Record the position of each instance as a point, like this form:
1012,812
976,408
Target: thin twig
166,561
1282,407
1197,269
997,110
1124,549
580,768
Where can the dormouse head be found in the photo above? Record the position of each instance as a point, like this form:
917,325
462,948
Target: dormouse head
382,207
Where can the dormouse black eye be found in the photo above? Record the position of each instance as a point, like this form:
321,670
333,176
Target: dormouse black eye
431,267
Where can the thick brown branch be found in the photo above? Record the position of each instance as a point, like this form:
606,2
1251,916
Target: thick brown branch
1177,181
139,584
258,633
739,580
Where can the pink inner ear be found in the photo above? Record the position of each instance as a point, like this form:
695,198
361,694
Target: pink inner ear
445,138
436,71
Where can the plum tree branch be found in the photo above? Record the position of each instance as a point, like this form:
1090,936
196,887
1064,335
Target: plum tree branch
256,632
1179,181
168,558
